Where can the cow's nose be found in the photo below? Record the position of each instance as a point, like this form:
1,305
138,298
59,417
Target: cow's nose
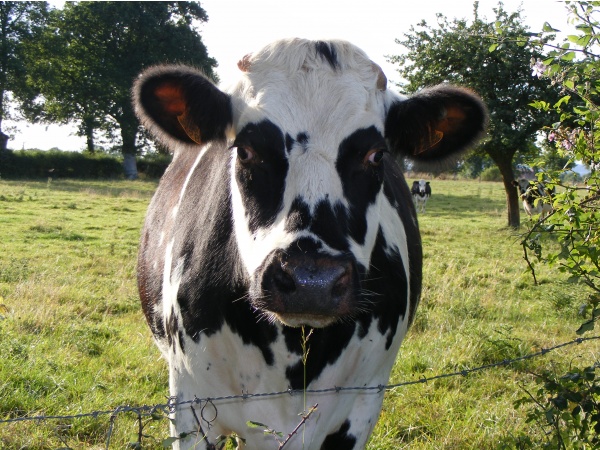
319,279
310,284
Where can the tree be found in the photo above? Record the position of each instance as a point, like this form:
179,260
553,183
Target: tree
460,52
18,21
92,52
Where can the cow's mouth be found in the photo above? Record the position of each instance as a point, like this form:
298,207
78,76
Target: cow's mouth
310,320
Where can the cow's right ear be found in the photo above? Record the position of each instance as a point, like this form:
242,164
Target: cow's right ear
178,102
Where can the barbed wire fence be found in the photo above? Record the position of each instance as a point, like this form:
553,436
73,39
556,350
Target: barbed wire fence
162,410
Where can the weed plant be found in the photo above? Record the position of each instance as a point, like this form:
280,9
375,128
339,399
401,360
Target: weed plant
73,338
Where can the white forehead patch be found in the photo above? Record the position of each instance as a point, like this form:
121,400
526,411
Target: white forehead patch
312,176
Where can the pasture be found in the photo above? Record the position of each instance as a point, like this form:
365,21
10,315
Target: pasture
73,338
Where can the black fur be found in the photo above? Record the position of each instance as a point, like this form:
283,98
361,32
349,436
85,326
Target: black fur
328,52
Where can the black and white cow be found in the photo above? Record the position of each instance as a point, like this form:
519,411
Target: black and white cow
421,191
536,197
283,210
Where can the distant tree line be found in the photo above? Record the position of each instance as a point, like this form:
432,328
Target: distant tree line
59,164
77,64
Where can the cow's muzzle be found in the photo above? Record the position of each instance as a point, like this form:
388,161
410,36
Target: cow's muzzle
312,289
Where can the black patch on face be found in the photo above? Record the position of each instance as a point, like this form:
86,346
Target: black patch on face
340,440
361,182
299,216
262,180
330,224
327,52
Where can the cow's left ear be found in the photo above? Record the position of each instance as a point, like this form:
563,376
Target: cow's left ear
436,123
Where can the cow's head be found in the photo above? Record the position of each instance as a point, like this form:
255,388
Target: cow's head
523,186
310,128
420,187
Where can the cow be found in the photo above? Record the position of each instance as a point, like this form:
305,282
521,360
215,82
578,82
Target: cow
421,191
536,197
281,250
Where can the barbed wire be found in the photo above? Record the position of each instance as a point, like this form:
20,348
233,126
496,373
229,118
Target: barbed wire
173,403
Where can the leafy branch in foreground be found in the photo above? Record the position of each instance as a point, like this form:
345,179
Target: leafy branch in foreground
568,407
574,222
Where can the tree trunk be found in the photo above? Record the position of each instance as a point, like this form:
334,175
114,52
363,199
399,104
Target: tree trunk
89,135
3,141
3,136
512,199
128,135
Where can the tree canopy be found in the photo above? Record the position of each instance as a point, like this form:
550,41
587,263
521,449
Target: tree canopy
91,53
466,53
19,21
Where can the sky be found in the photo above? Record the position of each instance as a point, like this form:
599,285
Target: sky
238,27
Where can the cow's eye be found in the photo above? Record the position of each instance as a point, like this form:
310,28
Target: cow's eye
374,157
245,154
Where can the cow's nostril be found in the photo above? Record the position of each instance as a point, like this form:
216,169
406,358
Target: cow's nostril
341,286
284,282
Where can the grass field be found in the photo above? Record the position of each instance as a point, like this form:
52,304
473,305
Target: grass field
73,339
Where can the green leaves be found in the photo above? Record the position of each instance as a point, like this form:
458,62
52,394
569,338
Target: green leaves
21,24
581,40
563,101
547,28
265,428
567,407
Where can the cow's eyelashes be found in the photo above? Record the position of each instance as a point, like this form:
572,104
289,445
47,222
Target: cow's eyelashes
374,157
245,153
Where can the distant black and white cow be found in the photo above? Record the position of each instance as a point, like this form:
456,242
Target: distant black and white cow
536,197
421,191
283,210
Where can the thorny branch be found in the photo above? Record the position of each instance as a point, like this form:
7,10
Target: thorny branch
295,430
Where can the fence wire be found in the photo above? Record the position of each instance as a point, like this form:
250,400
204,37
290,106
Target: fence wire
173,403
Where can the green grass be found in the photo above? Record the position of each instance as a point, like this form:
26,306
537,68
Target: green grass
73,338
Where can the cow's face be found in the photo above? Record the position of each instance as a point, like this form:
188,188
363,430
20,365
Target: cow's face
524,187
307,169
310,129
420,186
